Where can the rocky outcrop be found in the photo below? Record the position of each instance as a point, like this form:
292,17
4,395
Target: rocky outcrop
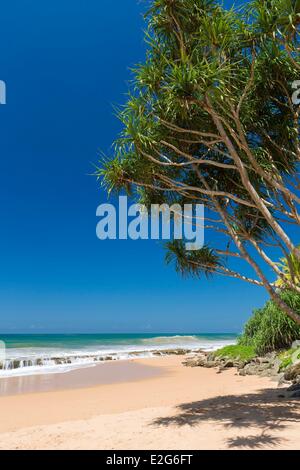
266,366
292,374
172,352
211,361
282,367
294,390
200,360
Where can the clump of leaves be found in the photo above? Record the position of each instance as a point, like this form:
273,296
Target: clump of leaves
269,329
237,351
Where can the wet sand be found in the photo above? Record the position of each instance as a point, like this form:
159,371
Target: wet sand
100,374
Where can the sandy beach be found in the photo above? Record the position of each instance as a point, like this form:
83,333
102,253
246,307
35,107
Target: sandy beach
152,404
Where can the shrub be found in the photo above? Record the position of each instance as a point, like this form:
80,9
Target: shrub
270,329
236,351
289,358
252,327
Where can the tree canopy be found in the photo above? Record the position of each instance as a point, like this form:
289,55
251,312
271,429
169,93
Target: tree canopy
210,119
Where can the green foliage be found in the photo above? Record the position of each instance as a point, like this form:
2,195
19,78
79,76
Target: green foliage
237,351
288,358
193,263
196,48
290,266
208,68
270,329
286,362
252,327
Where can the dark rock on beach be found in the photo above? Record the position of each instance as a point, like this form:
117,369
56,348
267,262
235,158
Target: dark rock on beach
200,360
172,352
292,373
294,388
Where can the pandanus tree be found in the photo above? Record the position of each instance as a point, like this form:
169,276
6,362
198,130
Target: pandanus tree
211,120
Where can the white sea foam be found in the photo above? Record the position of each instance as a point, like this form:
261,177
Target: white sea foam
33,361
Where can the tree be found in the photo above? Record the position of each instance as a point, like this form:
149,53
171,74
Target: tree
211,120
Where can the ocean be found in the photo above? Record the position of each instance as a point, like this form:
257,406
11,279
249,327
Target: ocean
44,354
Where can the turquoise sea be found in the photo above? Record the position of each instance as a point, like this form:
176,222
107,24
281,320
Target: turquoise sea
36,354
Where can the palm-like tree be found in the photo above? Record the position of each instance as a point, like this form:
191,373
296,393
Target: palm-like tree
209,121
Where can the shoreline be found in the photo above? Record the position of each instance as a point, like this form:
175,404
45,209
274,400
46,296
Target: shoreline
36,354
176,408
63,365
105,373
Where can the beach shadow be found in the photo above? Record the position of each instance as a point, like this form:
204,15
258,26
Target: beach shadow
264,410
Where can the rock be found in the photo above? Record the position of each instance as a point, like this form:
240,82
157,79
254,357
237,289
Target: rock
240,365
271,355
251,369
178,352
263,367
266,366
296,394
228,364
294,388
210,357
210,364
296,344
196,361
281,380
292,372
276,378
172,352
199,362
276,364
192,363
262,360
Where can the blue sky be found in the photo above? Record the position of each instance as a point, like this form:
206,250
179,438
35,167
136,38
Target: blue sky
66,63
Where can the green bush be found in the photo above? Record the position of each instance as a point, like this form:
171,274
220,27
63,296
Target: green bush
270,329
236,351
252,327
289,357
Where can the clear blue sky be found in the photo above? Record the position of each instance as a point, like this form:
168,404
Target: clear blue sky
66,63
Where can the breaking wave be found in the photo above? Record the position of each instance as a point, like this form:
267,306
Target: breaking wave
21,361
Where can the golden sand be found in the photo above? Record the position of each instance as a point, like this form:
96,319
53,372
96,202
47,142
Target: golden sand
151,404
